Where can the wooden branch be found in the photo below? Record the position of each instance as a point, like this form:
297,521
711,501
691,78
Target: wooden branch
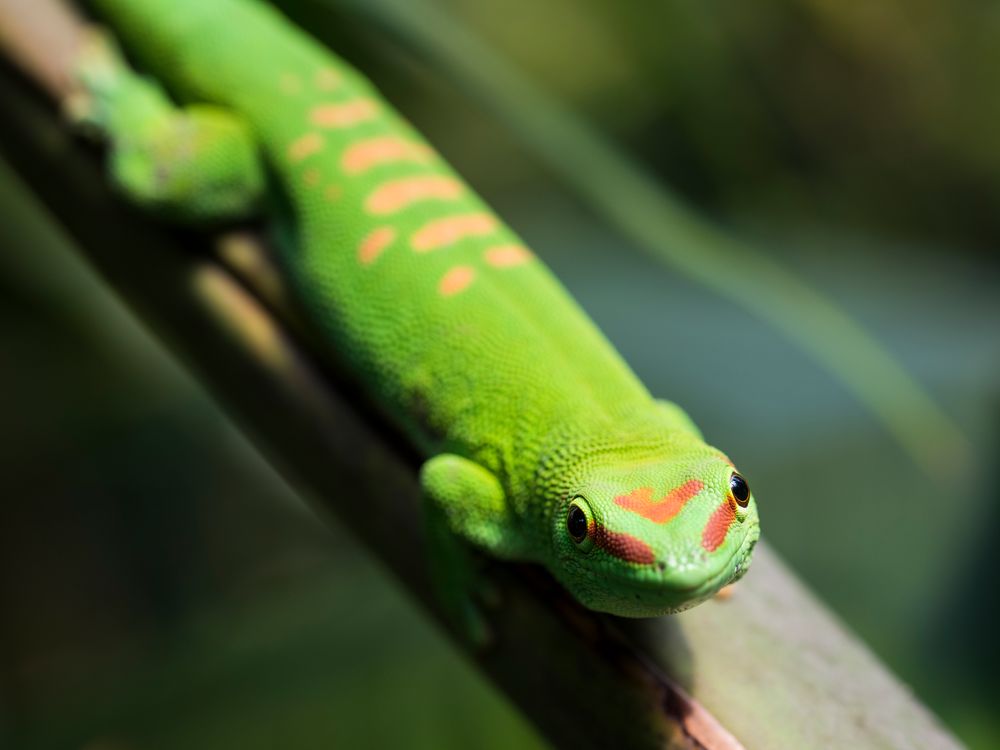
769,665
43,38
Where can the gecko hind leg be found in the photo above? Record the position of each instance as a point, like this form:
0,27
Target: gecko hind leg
196,164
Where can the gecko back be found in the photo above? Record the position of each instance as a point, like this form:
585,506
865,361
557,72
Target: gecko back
434,301
542,444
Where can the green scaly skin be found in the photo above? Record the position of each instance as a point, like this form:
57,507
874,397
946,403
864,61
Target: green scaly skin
541,443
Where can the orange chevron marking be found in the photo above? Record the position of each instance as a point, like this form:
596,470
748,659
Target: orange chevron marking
456,280
343,115
363,155
395,195
306,146
444,232
505,256
373,245
641,501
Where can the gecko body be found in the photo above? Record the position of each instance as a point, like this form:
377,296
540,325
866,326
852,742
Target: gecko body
540,442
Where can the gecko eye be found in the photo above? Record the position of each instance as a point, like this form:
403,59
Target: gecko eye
577,522
739,489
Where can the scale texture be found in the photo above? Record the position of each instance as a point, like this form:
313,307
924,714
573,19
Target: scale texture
541,443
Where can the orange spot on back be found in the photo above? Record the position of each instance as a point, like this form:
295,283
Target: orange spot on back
290,84
398,194
641,501
333,192
343,115
717,527
311,177
456,280
373,245
306,146
443,232
363,155
505,256
327,79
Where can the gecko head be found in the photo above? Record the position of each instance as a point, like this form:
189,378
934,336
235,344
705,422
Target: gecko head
641,539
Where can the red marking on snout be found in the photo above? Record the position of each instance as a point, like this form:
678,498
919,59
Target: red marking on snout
621,545
718,525
641,501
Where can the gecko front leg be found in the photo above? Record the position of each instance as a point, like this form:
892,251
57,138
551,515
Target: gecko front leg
465,507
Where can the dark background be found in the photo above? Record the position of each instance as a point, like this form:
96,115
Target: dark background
161,587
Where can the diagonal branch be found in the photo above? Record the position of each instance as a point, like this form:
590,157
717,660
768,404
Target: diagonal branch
769,665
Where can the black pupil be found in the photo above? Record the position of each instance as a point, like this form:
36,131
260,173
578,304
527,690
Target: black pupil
740,489
576,523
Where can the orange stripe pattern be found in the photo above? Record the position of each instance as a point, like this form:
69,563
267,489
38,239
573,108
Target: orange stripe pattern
363,155
373,245
306,146
456,280
444,232
505,256
343,115
398,194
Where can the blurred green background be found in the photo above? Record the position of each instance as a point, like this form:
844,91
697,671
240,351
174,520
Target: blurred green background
161,587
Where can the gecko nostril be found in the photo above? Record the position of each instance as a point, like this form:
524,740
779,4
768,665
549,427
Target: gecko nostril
661,565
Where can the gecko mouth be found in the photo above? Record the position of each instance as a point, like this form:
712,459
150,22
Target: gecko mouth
736,564
732,568
657,594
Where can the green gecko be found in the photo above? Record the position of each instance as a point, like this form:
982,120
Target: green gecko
541,444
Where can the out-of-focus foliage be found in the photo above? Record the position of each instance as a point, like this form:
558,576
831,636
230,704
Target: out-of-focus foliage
159,587
882,114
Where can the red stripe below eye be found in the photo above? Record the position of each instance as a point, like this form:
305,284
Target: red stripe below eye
621,545
717,527
641,501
